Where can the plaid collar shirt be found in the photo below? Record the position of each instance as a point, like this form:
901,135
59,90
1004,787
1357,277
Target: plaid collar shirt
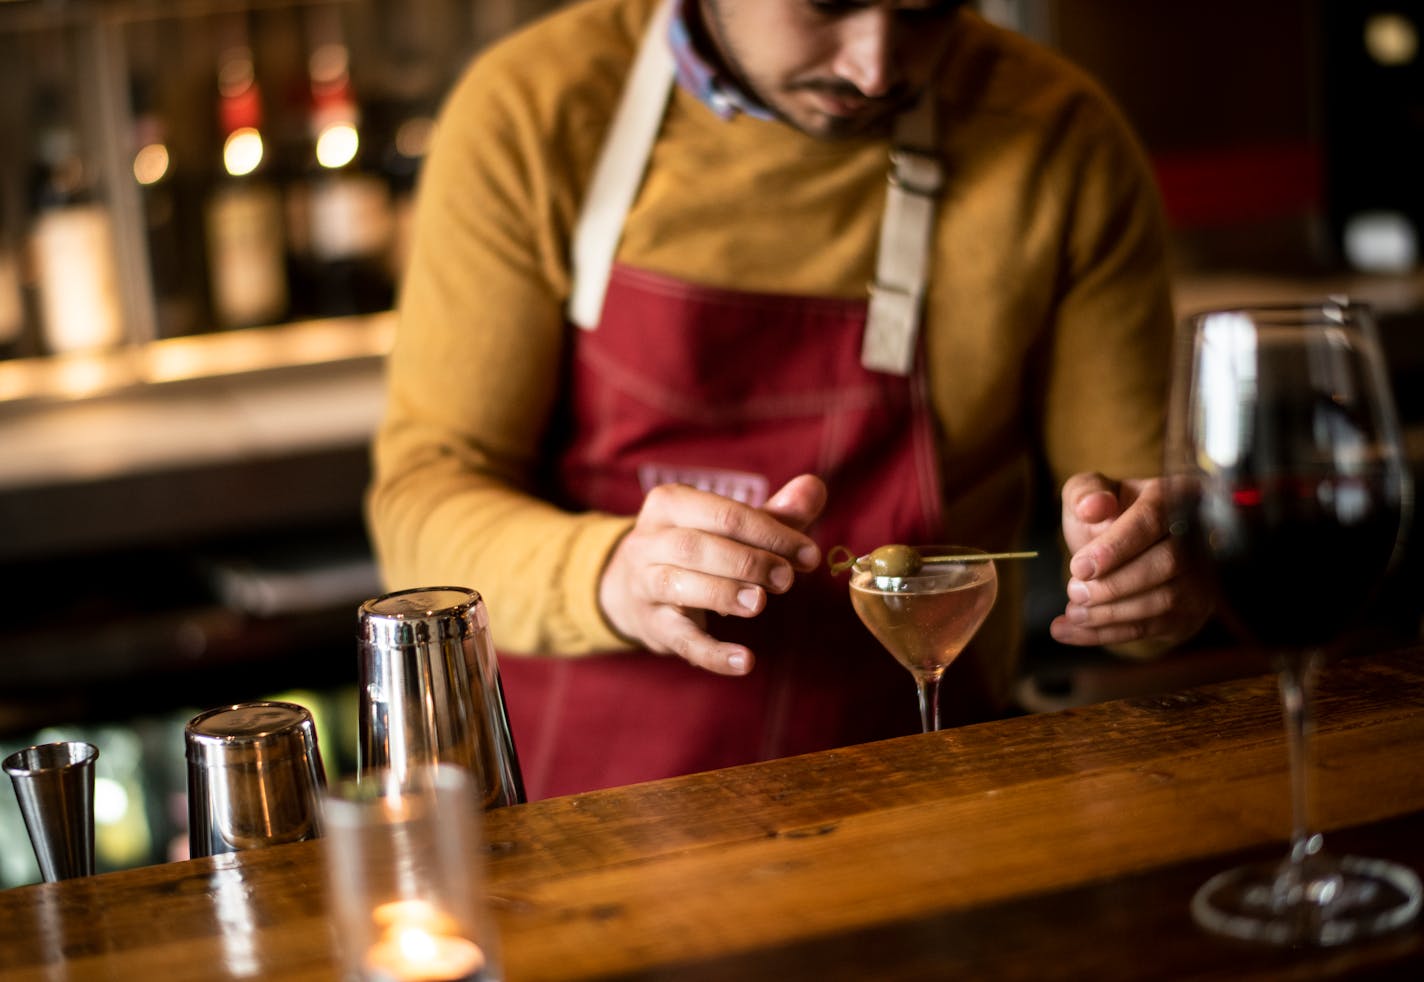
713,88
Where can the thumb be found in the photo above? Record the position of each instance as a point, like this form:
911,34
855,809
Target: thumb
1090,499
798,502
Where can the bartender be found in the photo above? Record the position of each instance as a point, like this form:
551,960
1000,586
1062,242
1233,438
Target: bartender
640,387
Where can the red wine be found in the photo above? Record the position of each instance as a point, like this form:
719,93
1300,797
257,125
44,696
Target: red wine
1294,561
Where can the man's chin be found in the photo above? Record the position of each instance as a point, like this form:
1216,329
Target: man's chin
825,126
816,118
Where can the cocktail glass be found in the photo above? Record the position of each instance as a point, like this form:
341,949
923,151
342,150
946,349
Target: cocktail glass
927,617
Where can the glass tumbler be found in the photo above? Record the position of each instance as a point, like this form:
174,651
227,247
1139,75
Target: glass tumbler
405,868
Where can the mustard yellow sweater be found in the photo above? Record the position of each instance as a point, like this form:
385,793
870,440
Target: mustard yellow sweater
1047,324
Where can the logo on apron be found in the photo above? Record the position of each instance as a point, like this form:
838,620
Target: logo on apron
749,489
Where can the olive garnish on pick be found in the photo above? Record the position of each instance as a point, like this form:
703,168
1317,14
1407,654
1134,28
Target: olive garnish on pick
900,560
895,560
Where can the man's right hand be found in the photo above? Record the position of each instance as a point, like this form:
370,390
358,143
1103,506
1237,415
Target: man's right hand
693,551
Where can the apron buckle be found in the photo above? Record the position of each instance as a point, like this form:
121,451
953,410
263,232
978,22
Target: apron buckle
891,329
916,173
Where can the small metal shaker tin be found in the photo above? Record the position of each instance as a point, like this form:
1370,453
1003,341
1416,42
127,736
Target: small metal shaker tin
430,690
54,784
255,777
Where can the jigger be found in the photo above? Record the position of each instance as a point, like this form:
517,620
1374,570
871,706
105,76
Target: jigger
430,690
55,785
255,777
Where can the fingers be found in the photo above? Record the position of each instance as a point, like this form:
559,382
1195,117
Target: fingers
1155,612
1090,499
680,634
1170,613
799,502
714,554
671,552
678,586
690,552
1065,632
1119,541
684,508
1127,576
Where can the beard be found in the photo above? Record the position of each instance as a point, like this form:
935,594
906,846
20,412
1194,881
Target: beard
871,115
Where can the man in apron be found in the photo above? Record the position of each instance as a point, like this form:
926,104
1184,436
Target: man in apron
639,386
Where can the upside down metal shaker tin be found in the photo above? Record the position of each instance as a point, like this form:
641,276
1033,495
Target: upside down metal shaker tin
255,777
430,691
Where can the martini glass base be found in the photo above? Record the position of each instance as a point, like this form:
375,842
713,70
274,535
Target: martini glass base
1342,899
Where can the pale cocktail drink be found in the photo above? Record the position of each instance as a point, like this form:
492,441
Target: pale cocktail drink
926,619
927,629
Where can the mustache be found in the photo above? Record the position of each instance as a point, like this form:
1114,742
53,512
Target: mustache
842,89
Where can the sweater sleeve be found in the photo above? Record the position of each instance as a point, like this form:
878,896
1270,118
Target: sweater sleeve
472,381
1109,361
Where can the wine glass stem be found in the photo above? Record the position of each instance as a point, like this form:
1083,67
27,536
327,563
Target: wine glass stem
1297,683
929,702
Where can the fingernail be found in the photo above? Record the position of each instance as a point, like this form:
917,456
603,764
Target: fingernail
1078,592
737,662
808,557
1083,567
1078,615
750,597
781,577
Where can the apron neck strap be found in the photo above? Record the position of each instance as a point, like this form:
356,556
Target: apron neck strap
619,171
902,264
897,297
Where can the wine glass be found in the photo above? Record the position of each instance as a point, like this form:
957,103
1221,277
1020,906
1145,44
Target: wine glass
927,615
1289,490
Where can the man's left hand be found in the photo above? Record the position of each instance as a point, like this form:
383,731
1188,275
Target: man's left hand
1127,576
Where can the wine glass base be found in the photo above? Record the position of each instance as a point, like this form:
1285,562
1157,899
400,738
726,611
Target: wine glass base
1343,899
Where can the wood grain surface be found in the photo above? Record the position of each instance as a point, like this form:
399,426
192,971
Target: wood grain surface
1062,845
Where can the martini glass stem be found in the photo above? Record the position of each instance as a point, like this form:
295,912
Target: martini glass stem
929,701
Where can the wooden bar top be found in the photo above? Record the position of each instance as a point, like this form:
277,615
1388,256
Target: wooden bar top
1056,846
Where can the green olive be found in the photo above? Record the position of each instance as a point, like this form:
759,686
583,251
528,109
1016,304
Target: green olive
896,560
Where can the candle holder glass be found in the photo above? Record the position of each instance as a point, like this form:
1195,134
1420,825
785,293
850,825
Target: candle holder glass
405,867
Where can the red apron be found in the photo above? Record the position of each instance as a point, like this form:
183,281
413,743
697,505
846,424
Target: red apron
736,393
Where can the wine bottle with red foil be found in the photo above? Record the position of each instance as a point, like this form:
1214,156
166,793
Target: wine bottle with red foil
341,218
244,221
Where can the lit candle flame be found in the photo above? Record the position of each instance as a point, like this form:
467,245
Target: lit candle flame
419,943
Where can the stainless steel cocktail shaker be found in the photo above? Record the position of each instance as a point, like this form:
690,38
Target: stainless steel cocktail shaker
54,784
254,777
430,691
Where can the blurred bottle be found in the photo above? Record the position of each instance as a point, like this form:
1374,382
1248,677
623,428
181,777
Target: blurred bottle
424,45
411,127
71,235
246,250
12,301
173,255
340,212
